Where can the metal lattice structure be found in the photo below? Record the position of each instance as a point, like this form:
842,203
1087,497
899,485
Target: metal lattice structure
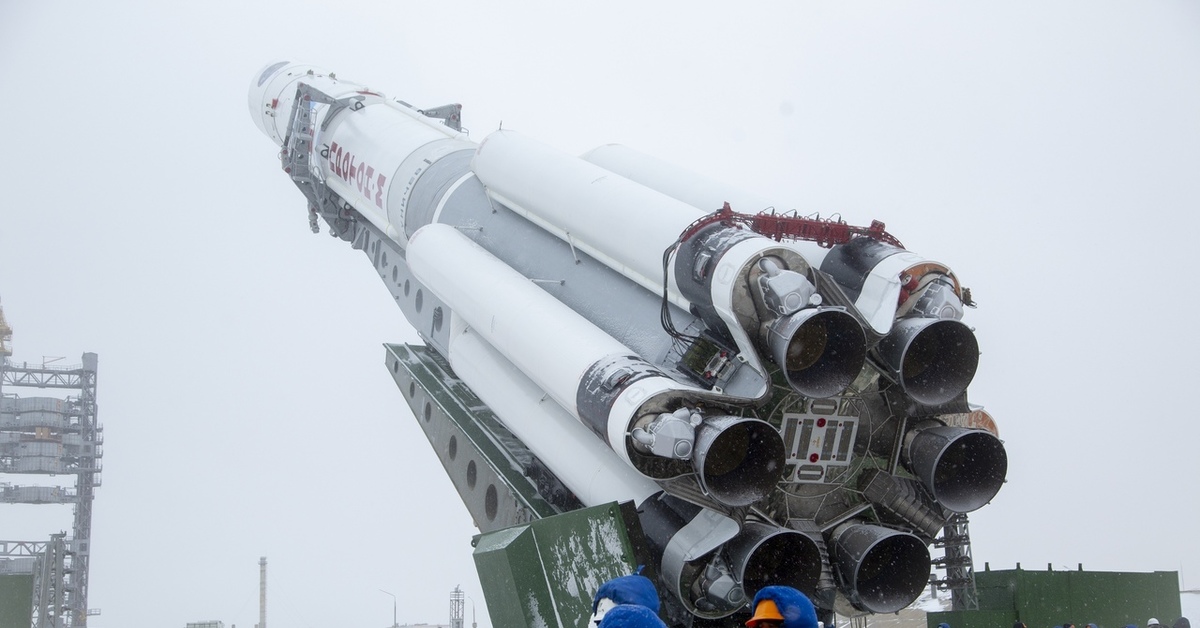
959,566
456,607
47,435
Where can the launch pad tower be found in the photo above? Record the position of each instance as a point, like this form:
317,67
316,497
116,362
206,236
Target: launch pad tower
51,436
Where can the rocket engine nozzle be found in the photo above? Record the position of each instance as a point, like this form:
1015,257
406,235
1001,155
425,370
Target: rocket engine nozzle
688,539
933,360
821,350
881,570
764,554
738,460
962,468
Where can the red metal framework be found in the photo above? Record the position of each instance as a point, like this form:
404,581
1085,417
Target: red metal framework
825,232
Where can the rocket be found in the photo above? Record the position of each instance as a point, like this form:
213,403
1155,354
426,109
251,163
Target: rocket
783,398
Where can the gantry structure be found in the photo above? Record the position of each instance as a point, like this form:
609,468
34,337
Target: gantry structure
51,436
958,563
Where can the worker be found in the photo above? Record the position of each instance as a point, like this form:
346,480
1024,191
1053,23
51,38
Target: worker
633,589
782,607
631,616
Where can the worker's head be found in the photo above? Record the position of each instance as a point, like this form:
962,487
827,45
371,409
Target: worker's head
766,615
632,589
783,607
631,616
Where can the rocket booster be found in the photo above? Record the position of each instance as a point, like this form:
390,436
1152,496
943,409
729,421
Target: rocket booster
781,408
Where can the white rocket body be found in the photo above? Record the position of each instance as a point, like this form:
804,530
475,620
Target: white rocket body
639,346
372,158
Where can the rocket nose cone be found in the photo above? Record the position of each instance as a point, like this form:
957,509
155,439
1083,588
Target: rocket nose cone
265,73
272,92
258,92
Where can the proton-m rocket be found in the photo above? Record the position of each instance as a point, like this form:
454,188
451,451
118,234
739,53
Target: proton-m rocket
782,398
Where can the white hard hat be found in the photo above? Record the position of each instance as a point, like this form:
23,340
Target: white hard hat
602,607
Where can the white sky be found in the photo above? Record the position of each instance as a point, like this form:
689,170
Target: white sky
1048,151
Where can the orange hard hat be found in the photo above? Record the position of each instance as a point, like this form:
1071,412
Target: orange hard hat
765,610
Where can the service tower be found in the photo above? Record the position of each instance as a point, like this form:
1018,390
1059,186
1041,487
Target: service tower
50,436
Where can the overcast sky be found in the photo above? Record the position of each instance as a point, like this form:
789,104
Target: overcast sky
1048,151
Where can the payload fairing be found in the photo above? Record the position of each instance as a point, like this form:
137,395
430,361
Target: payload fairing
783,399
